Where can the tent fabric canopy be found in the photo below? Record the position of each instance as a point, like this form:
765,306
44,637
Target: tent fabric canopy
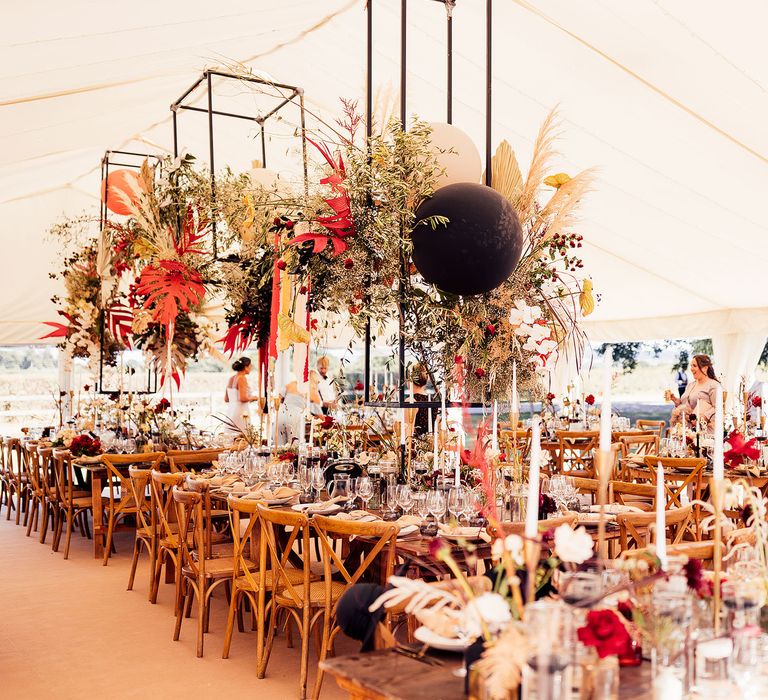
668,100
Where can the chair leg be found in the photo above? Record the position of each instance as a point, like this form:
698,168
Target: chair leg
202,615
28,521
151,568
57,532
134,562
44,525
179,609
261,666
304,651
323,654
70,526
110,533
233,609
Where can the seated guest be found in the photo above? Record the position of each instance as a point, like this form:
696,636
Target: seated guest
701,391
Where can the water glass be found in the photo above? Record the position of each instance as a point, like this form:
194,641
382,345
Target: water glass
436,504
318,480
364,489
404,498
456,502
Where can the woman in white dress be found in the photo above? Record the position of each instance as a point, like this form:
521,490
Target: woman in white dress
701,392
237,395
290,417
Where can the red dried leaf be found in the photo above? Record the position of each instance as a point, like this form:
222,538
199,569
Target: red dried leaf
119,322
170,287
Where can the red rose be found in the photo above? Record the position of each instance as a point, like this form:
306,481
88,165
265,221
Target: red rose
348,264
86,387
458,359
590,399
303,290
287,456
757,401
162,405
289,225
276,221
741,450
358,386
280,264
550,396
605,631
479,372
490,329
327,422
354,309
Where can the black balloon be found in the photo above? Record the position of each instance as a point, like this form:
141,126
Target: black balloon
479,247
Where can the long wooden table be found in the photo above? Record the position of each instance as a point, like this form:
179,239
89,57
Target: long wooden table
388,675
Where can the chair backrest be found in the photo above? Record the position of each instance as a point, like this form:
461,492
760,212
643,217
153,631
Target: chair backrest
576,451
245,541
189,516
14,464
186,460
703,551
62,461
274,557
139,480
634,527
162,499
511,440
502,529
656,426
329,530
622,491
33,467
647,444
47,473
116,475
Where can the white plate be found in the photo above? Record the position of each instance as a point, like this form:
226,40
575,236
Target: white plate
407,530
304,507
466,533
434,640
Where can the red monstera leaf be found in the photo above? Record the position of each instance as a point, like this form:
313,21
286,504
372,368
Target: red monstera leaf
170,287
119,322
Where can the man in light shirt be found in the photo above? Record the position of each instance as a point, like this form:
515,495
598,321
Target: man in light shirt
325,386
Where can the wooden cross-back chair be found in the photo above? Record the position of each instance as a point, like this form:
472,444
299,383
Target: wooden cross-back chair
15,478
122,502
200,575
627,493
247,580
303,600
382,542
166,525
575,452
34,487
515,440
50,504
504,528
217,539
74,504
703,551
637,446
6,477
191,460
146,524
634,528
657,426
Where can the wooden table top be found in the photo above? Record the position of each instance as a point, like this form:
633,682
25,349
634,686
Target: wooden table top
387,675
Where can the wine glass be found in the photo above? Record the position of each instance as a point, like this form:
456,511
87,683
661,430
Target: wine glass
422,508
404,497
436,504
364,488
456,502
318,480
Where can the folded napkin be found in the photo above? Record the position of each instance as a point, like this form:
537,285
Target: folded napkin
274,494
321,508
405,520
458,531
409,531
616,509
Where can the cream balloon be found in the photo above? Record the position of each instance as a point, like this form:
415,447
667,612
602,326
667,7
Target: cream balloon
456,153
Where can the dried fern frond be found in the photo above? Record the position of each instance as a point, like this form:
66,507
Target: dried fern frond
416,592
543,153
507,179
502,663
560,211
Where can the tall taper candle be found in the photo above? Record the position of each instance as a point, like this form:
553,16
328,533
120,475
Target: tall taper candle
661,524
532,508
605,409
515,410
718,465
434,443
495,426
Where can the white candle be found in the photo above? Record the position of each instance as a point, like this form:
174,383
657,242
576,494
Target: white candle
402,426
442,408
311,431
698,415
434,444
532,509
495,426
661,525
429,417
457,472
515,409
605,409
718,465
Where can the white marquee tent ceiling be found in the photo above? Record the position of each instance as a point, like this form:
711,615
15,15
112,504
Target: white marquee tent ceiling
667,98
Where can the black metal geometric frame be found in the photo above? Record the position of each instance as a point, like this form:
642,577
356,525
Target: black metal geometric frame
400,402
207,78
113,159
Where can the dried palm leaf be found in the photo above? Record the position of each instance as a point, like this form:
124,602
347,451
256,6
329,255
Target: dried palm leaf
560,211
502,663
543,152
506,179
